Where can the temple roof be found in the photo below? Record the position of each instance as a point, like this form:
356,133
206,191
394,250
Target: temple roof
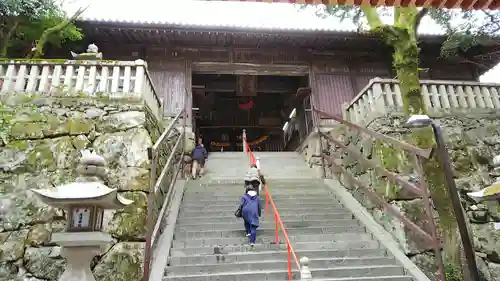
196,36
242,25
246,15
182,34
449,4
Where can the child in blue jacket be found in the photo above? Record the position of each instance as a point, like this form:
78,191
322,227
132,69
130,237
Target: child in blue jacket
251,212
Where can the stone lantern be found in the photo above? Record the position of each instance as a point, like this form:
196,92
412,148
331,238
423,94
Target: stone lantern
92,53
84,201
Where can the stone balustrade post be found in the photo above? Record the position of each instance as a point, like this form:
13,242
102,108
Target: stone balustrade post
305,272
5,207
496,162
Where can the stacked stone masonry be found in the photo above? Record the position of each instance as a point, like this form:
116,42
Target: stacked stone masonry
40,141
472,140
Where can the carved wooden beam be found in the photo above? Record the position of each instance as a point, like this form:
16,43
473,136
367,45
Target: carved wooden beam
249,69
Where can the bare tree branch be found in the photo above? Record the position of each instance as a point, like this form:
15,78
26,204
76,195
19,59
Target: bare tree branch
422,13
493,21
37,51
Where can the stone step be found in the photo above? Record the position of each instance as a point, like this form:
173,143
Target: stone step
232,195
261,154
282,212
241,189
258,248
266,238
281,208
232,198
230,218
301,173
273,187
378,278
281,202
278,202
238,181
210,234
277,274
266,265
278,167
274,255
266,225
240,186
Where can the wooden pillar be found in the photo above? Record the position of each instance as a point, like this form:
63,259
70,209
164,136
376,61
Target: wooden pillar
188,97
172,81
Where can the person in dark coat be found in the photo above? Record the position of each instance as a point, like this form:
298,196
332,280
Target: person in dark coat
251,212
199,156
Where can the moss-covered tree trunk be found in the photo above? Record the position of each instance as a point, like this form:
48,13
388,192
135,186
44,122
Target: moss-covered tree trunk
402,37
410,89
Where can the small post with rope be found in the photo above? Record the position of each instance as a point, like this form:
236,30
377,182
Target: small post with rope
244,141
305,272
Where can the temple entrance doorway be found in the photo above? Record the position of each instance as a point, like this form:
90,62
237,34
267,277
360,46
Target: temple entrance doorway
269,108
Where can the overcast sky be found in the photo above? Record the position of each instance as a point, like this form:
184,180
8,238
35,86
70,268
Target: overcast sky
244,14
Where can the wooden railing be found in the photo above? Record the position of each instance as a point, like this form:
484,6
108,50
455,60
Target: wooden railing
382,96
117,79
342,157
166,162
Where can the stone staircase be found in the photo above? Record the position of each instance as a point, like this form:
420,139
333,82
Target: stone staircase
209,242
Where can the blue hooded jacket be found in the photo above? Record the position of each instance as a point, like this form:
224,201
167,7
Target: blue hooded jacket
199,153
251,208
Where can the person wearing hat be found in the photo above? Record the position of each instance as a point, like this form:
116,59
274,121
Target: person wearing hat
254,178
252,181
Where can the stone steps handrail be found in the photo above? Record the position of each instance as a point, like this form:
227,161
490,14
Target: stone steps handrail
425,153
439,96
418,189
123,79
166,162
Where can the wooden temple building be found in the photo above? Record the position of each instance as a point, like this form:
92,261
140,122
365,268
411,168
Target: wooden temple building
234,78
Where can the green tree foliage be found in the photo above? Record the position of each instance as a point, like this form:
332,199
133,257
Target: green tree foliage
398,27
466,29
23,24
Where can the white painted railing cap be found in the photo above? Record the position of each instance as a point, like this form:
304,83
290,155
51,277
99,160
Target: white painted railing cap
304,261
140,62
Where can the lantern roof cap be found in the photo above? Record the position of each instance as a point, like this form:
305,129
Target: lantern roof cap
91,158
82,193
489,193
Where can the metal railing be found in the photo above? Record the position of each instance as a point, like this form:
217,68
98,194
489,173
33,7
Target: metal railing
418,187
304,271
166,162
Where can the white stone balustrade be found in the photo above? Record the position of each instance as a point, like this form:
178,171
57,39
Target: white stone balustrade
382,96
115,79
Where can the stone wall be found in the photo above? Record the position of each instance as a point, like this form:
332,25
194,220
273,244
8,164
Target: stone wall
472,141
40,143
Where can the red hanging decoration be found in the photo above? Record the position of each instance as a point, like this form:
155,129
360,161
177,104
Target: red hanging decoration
246,106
